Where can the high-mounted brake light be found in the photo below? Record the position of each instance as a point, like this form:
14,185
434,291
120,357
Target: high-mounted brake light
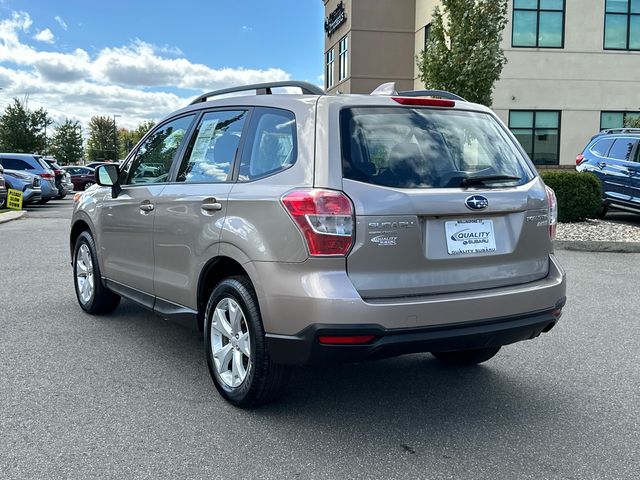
579,159
425,101
325,218
553,213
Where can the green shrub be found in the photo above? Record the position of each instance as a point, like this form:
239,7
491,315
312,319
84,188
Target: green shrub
579,194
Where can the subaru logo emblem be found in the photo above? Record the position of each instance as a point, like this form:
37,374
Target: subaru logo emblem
476,202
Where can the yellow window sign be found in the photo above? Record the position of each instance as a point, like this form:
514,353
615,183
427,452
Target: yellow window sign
14,199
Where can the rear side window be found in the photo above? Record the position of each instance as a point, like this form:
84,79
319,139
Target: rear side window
213,148
15,164
622,147
426,148
602,147
271,145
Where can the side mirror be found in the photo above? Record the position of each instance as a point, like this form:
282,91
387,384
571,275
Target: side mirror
108,176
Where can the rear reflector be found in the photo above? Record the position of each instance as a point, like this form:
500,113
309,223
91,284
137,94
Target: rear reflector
350,340
47,175
425,101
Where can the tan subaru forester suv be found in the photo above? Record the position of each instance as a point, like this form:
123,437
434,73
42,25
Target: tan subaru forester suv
300,228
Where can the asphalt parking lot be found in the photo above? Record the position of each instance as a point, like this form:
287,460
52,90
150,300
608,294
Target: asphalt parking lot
129,396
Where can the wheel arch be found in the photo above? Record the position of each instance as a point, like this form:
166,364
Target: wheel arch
80,225
213,272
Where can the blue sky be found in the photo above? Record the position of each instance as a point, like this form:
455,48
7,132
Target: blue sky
142,59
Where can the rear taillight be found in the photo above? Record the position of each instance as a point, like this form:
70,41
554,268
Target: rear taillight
47,176
579,159
58,172
553,212
425,101
325,218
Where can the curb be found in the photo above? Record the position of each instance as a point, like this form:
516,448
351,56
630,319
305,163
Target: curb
584,246
15,215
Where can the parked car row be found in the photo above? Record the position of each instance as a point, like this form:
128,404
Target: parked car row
20,172
41,179
613,155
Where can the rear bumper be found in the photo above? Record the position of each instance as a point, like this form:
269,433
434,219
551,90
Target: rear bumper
305,348
299,300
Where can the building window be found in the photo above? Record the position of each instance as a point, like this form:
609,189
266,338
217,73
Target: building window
427,35
343,58
329,72
622,25
538,23
617,119
539,134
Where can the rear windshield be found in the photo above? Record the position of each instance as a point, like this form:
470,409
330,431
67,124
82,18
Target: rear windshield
426,148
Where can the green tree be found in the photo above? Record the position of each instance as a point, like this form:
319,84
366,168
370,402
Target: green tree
127,139
66,144
463,54
632,122
102,142
23,130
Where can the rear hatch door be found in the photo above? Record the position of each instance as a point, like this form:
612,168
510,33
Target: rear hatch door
444,202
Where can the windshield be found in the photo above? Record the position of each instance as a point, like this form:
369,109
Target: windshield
427,148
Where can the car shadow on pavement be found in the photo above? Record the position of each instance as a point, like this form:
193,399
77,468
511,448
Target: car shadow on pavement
404,394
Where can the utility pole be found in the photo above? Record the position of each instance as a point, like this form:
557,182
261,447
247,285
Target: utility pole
115,139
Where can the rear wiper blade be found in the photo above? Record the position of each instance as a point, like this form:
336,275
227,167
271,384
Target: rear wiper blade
481,180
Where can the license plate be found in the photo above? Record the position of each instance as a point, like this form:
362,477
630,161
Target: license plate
470,237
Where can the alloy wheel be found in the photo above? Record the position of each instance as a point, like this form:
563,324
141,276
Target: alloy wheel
230,342
84,273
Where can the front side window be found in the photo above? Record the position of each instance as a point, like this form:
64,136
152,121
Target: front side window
271,145
212,150
426,148
539,134
155,155
538,23
329,72
343,58
610,120
622,25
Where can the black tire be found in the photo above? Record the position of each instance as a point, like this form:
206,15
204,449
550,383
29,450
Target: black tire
603,211
102,300
265,381
466,357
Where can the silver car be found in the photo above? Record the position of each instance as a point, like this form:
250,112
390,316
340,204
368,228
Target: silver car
304,228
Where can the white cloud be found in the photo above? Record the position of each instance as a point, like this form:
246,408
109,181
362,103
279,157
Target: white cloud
61,22
45,36
247,28
115,80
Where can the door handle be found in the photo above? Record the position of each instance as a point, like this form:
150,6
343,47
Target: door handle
602,165
211,207
146,207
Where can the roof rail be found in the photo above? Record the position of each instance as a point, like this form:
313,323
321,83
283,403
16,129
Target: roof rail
620,130
432,93
263,89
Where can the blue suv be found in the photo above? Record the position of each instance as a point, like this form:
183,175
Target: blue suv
614,157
